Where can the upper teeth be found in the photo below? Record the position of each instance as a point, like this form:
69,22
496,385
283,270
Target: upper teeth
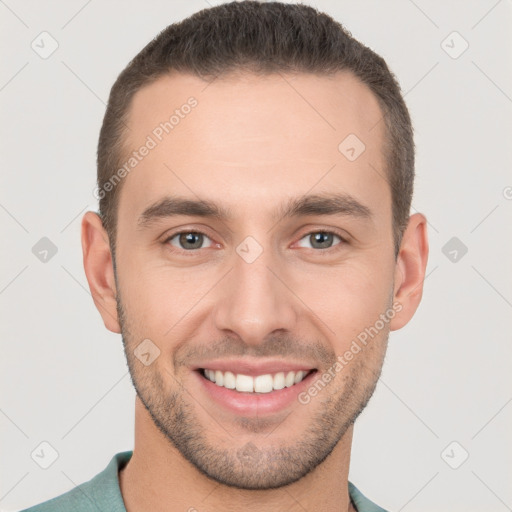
260,384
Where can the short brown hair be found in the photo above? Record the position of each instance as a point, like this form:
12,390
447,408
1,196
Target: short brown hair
260,38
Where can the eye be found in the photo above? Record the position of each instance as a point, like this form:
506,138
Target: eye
188,240
320,240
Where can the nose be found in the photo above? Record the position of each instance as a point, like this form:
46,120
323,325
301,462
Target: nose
255,300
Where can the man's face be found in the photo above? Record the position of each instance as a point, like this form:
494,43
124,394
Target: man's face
256,293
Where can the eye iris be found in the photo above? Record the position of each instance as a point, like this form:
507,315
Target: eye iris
196,239
324,239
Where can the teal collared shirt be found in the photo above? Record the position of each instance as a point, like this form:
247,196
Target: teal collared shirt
102,493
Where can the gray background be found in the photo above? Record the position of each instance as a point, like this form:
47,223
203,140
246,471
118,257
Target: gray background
447,374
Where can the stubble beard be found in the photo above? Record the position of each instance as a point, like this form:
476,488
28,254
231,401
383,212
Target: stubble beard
249,466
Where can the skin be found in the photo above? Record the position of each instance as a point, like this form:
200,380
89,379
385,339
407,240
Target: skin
251,144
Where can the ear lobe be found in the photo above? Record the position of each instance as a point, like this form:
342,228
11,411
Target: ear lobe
99,269
410,270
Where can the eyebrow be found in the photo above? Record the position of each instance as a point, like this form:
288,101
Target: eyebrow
339,204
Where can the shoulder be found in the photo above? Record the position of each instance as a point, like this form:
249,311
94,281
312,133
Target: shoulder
100,493
77,499
361,502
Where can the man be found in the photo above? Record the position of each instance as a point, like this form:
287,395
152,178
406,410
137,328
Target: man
254,248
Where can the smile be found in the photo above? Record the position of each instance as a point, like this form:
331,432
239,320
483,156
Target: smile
255,384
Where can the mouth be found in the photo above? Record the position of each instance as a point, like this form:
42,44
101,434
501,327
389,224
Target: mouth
265,383
253,390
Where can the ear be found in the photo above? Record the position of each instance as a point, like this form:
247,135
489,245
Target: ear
410,270
99,269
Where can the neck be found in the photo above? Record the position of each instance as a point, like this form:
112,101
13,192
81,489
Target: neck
158,478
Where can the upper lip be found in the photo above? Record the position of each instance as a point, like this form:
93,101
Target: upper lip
253,367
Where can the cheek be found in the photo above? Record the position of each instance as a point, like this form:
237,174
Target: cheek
158,296
342,299
348,299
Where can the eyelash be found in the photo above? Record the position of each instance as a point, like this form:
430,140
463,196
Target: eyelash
192,252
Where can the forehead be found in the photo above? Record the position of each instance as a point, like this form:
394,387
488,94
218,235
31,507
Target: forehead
249,136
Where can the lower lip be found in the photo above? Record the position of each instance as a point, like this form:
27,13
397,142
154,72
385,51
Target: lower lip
251,404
